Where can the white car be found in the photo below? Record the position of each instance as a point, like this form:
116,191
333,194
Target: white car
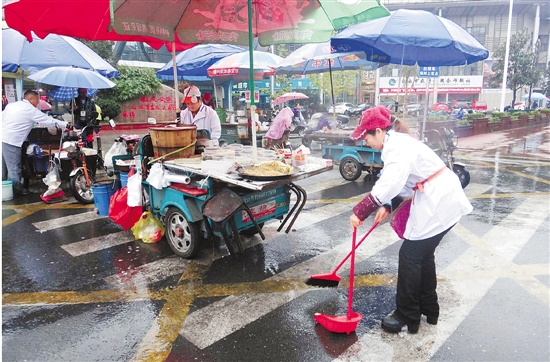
342,108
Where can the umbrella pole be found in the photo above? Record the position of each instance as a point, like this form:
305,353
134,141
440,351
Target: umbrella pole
175,76
215,93
332,93
253,113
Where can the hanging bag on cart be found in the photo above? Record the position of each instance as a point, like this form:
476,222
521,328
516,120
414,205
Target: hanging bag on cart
120,212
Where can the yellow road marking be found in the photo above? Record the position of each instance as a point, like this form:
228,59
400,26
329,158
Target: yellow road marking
100,296
31,209
531,177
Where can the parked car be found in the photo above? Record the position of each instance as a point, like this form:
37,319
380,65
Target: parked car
519,105
461,103
414,109
479,106
357,111
342,108
441,107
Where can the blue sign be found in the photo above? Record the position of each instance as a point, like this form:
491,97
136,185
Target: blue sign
428,72
295,83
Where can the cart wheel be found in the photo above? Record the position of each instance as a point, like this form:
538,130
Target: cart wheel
306,141
183,236
80,190
463,175
252,231
222,143
350,169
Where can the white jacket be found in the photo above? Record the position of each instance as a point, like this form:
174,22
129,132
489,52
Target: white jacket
18,119
408,161
206,118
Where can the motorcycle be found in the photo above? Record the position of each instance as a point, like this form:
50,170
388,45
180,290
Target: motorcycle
448,142
82,175
298,126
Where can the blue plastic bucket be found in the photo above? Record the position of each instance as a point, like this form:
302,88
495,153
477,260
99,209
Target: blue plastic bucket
103,191
123,179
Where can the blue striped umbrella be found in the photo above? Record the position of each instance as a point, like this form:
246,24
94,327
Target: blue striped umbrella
68,93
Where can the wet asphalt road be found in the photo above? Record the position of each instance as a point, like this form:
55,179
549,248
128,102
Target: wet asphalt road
76,287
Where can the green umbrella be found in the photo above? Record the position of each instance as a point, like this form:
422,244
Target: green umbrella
227,21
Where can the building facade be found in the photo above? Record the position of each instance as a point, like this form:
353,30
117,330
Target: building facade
487,21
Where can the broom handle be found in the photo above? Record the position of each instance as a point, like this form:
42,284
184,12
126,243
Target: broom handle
358,245
351,272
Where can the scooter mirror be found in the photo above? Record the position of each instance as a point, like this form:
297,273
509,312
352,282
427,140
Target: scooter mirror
112,123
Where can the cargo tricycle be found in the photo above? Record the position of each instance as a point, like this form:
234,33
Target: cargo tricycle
209,198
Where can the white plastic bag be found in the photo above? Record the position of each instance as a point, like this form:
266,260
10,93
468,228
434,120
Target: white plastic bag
134,190
52,179
117,149
156,177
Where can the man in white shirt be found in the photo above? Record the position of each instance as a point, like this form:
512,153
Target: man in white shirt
199,114
17,121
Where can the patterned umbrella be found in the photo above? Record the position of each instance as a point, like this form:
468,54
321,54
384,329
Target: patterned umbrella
68,93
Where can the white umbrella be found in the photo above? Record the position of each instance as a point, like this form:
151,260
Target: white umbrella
535,96
72,77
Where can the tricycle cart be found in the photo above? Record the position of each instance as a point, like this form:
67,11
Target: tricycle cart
210,202
354,157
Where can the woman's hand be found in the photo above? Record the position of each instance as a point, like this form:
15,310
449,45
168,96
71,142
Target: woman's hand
355,221
381,214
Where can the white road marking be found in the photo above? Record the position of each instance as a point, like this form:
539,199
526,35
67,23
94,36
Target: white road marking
66,221
99,243
146,274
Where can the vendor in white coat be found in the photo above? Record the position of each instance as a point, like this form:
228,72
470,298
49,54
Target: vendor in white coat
17,121
433,213
199,114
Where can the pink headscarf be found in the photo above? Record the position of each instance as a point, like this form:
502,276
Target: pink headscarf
281,123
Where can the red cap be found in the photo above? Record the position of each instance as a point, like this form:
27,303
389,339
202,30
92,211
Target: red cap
207,97
372,118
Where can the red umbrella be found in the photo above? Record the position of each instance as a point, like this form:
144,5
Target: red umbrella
88,20
82,19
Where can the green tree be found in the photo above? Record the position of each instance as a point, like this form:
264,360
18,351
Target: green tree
103,48
134,82
521,64
546,84
342,82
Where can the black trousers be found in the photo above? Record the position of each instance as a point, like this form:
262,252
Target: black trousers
416,279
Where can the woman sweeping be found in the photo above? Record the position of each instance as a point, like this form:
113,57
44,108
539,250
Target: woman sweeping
411,169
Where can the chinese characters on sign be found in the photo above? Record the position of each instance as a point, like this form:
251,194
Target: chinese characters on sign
428,72
151,103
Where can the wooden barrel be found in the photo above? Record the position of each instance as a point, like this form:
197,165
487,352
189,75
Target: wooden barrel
169,139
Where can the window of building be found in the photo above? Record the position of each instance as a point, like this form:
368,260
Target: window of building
477,32
543,43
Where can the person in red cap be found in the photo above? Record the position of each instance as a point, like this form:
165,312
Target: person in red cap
207,100
199,114
437,205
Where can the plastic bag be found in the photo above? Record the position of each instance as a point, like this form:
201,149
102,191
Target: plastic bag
120,212
156,177
52,179
117,149
148,229
134,188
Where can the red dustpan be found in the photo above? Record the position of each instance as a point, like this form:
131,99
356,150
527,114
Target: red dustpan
347,323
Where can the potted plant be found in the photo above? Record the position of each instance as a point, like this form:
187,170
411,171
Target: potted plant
480,121
494,122
523,118
464,127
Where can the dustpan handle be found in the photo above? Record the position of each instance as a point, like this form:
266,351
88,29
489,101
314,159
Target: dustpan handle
358,245
351,272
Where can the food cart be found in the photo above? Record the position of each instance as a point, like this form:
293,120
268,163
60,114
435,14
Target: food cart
211,198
